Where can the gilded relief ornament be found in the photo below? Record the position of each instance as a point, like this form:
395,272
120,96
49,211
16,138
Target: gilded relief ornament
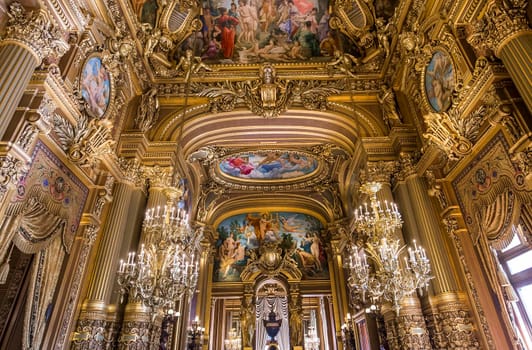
86,142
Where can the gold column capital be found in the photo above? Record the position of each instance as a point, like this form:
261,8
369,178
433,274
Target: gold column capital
34,31
380,171
160,177
500,24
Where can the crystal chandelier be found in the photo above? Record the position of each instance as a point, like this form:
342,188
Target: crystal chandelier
166,267
386,277
312,341
233,342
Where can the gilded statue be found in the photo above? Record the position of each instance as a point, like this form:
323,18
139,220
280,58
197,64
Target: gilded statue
247,320
386,98
296,324
191,64
344,62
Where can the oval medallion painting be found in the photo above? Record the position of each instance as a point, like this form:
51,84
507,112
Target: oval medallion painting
268,165
95,87
439,81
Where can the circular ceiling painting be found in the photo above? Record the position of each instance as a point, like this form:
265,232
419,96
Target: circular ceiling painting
95,86
439,81
268,165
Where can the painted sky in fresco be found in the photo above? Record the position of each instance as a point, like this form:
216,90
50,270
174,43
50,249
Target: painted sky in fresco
240,233
268,165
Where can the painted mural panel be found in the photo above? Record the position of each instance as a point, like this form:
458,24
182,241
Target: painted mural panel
268,165
95,86
240,233
439,81
251,31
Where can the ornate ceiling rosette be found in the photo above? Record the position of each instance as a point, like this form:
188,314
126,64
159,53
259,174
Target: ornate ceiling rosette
269,169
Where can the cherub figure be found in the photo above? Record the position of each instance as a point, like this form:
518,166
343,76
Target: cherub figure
191,64
344,62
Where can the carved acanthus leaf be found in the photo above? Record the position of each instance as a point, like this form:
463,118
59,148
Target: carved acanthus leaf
85,142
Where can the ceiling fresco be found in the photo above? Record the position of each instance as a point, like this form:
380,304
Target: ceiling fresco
268,165
258,31
242,233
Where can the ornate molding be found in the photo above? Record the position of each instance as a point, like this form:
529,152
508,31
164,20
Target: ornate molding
35,31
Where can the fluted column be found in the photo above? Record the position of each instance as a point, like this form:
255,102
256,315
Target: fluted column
422,221
409,330
504,30
29,39
141,322
94,311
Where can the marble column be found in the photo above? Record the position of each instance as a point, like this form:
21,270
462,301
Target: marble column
30,38
423,223
92,325
408,330
505,31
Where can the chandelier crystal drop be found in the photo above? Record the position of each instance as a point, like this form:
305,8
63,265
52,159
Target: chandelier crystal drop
167,265
377,270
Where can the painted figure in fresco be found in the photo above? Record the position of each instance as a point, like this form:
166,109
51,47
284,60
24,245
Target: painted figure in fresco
149,12
208,25
227,24
308,40
248,20
439,81
315,250
267,15
328,45
270,163
227,253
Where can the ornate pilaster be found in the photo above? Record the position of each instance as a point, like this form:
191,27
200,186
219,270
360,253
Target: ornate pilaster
504,30
30,38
